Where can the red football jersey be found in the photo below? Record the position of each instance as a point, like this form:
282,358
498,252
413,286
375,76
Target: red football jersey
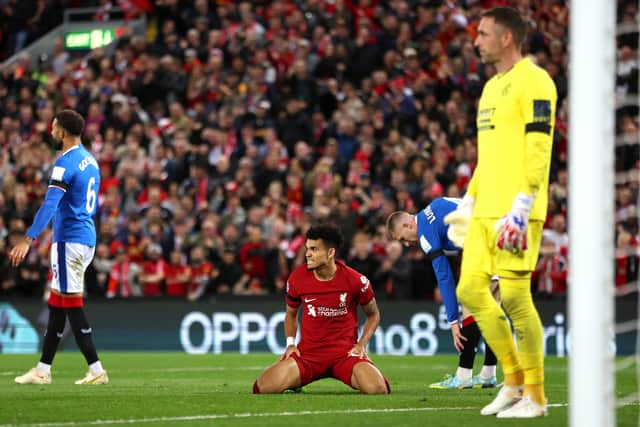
329,308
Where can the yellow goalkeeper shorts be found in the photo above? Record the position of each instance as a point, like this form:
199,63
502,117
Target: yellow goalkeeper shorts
482,256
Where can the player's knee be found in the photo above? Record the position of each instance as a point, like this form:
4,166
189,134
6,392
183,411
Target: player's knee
375,387
277,378
262,386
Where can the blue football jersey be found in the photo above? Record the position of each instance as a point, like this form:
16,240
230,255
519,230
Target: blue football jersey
76,173
433,240
432,231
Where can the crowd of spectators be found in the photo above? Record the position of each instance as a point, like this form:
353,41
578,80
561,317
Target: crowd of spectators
230,127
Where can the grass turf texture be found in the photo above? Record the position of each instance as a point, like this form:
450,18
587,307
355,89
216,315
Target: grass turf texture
175,389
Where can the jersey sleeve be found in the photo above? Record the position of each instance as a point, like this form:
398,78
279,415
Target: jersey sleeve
60,176
538,109
365,293
292,297
429,240
47,210
447,286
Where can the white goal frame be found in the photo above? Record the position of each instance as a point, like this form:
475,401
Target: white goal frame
592,59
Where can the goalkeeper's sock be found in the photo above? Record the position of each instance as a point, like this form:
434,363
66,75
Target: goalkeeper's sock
536,392
471,332
514,379
53,334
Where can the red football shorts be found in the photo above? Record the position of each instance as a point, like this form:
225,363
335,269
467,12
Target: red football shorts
314,366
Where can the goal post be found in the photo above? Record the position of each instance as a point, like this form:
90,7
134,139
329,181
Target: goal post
591,212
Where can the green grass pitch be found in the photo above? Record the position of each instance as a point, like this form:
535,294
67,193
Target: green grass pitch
174,389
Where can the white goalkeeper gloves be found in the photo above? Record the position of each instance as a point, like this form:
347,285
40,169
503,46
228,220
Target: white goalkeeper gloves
459,220
512,228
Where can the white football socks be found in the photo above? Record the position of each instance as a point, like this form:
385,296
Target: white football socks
488,372
43,368
96,368
464,374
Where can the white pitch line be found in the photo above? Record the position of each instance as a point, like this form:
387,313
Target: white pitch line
246,415
192,369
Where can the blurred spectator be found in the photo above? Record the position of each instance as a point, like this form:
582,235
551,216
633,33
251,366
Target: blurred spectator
123,276
394,274
557,234
361,258
253,262
228,273
201,272
550,275
177,275
99,271
626,261
152,274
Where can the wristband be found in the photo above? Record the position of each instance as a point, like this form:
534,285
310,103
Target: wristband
291,341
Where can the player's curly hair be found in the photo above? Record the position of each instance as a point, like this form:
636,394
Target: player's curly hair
330,235
70,121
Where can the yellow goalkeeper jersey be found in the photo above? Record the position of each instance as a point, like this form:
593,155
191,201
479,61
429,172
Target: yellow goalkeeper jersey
516,115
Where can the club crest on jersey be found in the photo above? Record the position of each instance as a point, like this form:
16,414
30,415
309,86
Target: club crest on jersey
343,299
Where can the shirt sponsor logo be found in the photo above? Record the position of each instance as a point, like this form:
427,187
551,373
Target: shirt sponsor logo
331,312
486,113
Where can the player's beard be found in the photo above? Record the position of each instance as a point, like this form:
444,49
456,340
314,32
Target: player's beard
56,144
487,60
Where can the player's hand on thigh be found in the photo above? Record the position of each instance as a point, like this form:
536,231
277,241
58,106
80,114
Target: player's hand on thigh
358,351
458,338
289,351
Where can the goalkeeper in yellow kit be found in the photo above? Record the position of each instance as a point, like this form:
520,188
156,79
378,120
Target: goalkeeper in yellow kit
499,222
